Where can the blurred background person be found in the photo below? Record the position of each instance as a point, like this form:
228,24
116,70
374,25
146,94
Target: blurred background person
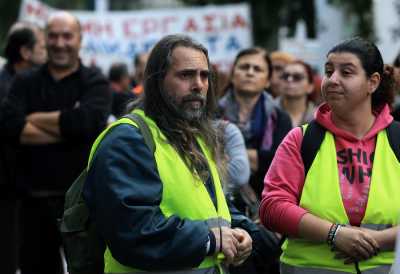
221,79
261,121
297,86
316,96
237,171
266,248
120,86
139,64
396,104
263,125
24,49
279,60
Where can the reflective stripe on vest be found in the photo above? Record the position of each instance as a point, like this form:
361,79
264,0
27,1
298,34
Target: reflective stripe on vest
289,269
180,189
217,222
321,196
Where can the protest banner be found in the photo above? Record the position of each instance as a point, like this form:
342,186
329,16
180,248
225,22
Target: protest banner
119,35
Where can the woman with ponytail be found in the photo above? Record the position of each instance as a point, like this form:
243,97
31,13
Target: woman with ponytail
340,215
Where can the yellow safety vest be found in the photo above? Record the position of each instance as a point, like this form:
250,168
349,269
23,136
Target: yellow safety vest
321,197
184,195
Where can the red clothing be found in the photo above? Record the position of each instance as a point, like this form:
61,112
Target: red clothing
283,184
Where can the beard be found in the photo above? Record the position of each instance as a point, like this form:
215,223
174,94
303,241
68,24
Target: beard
191,107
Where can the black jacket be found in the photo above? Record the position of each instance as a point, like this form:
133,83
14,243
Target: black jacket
7,151
84,99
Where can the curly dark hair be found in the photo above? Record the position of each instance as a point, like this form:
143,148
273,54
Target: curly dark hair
371,61
180,132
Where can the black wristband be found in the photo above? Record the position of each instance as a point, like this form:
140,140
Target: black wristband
213,243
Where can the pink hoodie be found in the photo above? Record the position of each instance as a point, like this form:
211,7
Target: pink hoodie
283,184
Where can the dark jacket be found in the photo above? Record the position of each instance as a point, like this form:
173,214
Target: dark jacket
123,191
84,99
265,130
7,152
6,76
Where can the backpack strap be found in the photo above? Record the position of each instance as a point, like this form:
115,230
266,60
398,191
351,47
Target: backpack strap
313,135
138,121
144,129
393,132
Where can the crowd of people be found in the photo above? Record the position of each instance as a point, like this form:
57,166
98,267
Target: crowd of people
270,168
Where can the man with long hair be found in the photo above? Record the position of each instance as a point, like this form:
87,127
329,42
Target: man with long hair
165,211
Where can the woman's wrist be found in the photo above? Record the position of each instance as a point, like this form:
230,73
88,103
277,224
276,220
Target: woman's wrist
386,239
332,235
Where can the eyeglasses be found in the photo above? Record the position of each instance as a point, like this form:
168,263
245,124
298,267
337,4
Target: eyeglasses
296,77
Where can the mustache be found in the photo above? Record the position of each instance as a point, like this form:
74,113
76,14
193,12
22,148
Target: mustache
194,97
58,49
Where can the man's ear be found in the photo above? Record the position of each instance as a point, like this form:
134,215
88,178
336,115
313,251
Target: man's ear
25,53
373,82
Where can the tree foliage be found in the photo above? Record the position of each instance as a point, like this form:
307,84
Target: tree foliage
362,12
269,16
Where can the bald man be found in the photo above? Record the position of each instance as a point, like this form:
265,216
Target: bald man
63,44
53,115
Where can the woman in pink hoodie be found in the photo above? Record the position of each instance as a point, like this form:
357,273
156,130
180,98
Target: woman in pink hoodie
341,215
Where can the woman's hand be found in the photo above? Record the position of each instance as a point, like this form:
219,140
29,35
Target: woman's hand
354,244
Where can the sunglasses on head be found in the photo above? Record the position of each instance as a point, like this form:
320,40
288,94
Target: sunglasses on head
295,77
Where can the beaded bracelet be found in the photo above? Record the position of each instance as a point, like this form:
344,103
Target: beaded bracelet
331,234
334,235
